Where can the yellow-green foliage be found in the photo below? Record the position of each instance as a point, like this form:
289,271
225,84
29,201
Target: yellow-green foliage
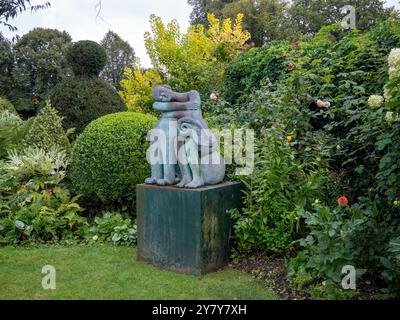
12,131
136,88
197,59
6,105
45,131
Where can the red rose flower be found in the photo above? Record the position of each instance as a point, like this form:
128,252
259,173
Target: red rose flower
343,202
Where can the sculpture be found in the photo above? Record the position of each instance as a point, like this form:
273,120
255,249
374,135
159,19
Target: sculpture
187,142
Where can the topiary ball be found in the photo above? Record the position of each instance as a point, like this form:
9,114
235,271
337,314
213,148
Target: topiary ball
109,157
81,100
87,58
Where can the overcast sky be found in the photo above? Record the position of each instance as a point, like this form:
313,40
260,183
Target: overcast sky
129,18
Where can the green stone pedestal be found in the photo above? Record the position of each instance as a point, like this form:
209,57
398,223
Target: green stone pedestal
183,230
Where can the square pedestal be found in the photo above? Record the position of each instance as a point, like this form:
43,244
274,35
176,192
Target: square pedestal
184,230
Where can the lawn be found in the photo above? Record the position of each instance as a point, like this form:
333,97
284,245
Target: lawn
108,272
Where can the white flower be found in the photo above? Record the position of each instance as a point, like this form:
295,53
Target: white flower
394,58
387,95
213,96
375,101
394,63
95,238
389,117
394,72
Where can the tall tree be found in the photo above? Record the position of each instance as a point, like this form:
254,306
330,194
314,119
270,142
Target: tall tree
40,63
202,7
199,11
9,9
266,20
120,56
6,62
283,19
309,16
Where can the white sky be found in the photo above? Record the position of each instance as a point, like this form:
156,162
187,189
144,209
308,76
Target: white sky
128,18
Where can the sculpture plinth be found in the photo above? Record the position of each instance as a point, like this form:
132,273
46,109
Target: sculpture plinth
186,231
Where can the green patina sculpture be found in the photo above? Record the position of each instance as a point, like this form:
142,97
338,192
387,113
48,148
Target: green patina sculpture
182,137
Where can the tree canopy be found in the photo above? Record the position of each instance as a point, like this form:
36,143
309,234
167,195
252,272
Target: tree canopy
309,16
120,56
187,61
6,60
40,64
269,20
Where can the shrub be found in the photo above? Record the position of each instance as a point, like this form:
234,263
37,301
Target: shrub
45,131
33,204
86,97
197,59
331,291
6,105
279,186
344,69
391,273
330,244
109,157
113,228
87,58
12,132
376,135
256,68
137,87
81,100
322,102
387,34
35,165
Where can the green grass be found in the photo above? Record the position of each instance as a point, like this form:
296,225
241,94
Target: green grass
107,272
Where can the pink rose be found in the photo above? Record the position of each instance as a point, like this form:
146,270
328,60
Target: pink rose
323,104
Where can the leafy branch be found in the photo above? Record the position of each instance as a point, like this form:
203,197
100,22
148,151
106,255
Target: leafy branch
9,9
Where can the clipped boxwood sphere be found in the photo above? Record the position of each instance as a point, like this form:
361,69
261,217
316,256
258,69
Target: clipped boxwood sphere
87,58
81,100
109,157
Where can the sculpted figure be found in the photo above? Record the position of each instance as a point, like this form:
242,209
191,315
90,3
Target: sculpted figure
203,163
173,106
183,125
